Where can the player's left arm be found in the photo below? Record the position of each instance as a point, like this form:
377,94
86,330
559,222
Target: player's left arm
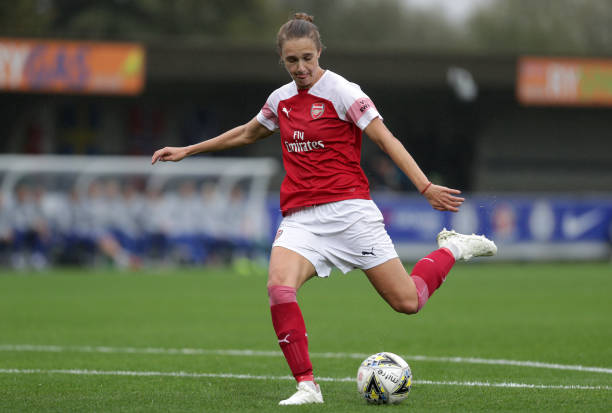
440,197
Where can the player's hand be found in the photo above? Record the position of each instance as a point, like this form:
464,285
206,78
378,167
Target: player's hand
443,198
169,153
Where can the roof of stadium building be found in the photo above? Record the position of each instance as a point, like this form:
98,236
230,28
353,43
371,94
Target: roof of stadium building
187,64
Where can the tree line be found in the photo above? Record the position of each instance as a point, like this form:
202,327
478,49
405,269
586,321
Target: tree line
577,27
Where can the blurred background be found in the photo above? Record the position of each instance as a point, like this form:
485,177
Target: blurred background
507,100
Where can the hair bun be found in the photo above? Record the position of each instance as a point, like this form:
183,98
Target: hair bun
303,16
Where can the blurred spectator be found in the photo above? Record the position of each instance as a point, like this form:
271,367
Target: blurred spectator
79,239
211,209
31,233
241,229
131,228
384,176
156,225
184,234
106,217
56,213
6,231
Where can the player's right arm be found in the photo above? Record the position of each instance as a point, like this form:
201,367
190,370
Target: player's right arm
246,134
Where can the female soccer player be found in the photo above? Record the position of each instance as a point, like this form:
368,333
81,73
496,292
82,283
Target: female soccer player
329,217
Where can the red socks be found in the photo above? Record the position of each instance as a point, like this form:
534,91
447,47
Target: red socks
430,272
291,332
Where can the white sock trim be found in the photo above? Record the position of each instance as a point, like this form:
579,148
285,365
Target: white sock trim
454,249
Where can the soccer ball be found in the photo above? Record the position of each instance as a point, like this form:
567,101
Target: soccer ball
384,378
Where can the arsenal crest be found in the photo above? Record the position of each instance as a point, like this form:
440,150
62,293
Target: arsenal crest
316,110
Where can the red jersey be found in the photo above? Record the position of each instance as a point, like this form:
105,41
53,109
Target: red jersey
320,130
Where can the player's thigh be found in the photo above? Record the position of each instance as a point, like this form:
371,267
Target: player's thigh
394,284
289,268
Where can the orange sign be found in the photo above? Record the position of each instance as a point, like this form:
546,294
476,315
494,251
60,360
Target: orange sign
71,67
549,81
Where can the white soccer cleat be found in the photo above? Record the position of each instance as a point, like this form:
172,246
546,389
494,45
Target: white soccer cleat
307,392
468,245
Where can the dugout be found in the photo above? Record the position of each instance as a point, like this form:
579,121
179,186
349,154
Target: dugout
487,143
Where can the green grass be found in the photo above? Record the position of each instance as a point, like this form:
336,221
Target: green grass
550,313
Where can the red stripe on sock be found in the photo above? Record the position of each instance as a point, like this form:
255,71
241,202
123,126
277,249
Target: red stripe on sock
430,272
289,325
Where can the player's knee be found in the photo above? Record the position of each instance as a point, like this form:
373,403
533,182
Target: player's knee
276,275
406,306
274,279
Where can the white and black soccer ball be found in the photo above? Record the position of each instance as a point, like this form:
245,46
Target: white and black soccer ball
384,378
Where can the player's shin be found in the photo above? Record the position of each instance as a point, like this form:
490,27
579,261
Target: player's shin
430,272
290,329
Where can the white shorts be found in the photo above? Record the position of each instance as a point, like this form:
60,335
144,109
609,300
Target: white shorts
345,234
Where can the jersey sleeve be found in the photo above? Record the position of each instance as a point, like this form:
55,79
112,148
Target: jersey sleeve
267,115
358,107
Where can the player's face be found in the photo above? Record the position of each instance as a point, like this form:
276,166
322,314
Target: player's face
301,59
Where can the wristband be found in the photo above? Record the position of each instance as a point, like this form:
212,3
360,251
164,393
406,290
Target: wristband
426,188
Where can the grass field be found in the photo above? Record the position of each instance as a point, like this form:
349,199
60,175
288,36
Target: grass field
499,337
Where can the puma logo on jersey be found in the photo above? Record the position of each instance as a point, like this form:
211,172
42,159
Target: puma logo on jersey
286,111
371,252
285,340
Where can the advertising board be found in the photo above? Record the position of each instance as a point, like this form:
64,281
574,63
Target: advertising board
56,66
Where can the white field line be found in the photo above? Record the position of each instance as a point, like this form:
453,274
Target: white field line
257,353
321,379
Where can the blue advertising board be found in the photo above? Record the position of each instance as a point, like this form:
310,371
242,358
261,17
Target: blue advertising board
525,227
